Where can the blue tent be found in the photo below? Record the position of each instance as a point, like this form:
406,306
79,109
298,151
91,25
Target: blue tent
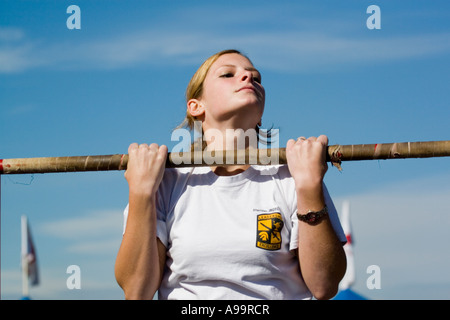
348,294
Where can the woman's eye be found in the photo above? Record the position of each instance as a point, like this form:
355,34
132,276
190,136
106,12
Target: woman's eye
227,75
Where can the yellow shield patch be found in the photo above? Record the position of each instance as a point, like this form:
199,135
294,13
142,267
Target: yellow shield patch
269,231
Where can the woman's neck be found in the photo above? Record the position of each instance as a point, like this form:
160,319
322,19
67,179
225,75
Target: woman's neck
230,139
229,170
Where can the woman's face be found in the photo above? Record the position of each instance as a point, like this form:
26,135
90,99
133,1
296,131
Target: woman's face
232,93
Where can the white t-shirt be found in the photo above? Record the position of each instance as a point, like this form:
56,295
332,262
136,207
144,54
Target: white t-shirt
231,237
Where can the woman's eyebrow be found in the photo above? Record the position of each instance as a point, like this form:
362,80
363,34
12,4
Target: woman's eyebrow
233,66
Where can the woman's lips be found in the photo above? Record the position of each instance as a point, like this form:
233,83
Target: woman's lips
247,88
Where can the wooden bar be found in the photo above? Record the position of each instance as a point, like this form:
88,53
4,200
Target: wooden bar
335,154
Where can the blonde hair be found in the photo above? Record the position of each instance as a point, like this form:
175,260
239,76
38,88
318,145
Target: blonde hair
194,89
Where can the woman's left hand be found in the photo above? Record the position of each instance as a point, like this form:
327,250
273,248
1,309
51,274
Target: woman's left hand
306,159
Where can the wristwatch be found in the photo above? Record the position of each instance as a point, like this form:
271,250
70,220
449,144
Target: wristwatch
313,217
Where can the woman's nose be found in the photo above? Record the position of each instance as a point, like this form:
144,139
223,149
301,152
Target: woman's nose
247,76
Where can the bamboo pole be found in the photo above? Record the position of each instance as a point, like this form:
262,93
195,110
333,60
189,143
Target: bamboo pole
335,154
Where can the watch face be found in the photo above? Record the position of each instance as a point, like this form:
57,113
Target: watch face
311,217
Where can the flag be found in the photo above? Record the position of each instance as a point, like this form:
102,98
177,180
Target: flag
345,291
29,257
349,277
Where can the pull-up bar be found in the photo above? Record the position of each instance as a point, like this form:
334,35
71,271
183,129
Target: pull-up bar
335,154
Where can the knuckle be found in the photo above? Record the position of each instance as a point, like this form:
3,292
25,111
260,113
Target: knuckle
153,147
133,146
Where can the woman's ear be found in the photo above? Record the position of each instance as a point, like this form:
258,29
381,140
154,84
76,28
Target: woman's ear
195,108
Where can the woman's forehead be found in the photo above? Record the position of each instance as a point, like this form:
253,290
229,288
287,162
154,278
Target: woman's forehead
232,60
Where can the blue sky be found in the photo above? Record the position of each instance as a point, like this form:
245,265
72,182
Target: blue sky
121,78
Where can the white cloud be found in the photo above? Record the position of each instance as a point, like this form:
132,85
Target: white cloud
96,247
16,58
9,34
96,233
313,51
95,224
279,50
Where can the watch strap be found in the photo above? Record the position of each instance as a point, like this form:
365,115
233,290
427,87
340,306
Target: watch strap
313,217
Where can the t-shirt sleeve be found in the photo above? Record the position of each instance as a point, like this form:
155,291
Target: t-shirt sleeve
332,213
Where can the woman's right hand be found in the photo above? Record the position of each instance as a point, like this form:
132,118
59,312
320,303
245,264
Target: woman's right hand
145,167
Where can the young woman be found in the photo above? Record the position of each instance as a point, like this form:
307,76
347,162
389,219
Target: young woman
230,232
